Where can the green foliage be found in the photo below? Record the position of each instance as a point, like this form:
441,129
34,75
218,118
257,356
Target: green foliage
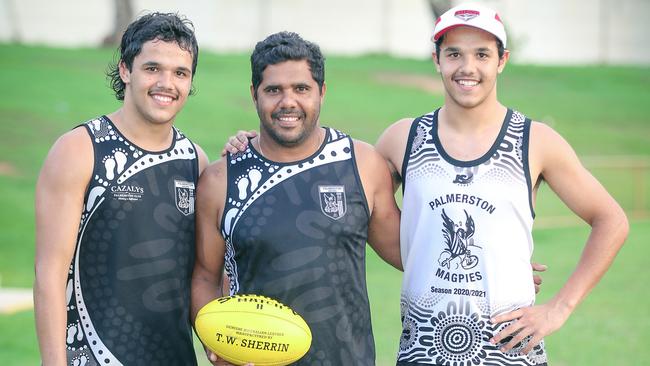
599,110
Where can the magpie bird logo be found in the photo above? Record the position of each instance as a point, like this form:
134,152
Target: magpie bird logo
459,241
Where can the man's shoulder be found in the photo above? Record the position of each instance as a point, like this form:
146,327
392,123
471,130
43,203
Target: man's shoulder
74,151
366,155
541,130
394,138
362,147
212,187
77,139
403,124
216,169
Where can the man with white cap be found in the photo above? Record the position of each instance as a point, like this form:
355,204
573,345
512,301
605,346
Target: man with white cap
470,172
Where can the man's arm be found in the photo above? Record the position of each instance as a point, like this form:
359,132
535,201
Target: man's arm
60,192
383,229
210,246
203,158
552,158
206,227
392,146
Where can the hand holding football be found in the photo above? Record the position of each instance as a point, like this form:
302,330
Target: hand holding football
253,328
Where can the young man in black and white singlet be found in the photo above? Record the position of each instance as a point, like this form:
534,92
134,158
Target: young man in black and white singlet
289,216
115,215
470,172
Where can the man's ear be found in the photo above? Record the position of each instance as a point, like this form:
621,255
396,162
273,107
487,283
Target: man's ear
503,61
436,61
323,89
125,74
253,94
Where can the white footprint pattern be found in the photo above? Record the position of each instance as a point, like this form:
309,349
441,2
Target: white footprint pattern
248,183
255,176
80,360
73,329
114,163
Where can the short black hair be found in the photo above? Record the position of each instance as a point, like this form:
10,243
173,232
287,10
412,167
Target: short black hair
167,27
286,46
500,48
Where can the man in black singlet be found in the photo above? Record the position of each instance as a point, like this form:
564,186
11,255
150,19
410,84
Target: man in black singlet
115,215
289,217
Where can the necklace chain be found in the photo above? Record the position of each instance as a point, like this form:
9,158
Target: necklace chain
259,145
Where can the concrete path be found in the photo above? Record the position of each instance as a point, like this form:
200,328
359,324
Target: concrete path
13,300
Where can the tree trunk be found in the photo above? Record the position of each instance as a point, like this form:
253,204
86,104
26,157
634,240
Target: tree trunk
123,17
438,7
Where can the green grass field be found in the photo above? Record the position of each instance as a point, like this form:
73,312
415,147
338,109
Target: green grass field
599,110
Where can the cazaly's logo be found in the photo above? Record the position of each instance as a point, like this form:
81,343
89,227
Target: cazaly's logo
332,201
458,241
127,192
466,15
184,195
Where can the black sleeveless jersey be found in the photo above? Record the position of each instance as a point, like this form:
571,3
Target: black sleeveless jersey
128,289
297,232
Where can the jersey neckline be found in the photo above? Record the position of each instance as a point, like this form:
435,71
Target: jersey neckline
117,130
480,160
308,158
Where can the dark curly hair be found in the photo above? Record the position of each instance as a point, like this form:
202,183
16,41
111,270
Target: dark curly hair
168,27
286,46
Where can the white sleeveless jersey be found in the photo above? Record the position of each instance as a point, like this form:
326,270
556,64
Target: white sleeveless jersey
466,246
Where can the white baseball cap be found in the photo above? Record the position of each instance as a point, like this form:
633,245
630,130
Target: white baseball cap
472,15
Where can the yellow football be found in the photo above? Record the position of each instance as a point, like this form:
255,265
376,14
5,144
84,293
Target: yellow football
253,328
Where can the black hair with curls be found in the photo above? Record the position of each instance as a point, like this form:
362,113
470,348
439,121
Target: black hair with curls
167,27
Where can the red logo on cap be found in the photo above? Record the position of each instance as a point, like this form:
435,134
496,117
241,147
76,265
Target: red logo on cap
467,15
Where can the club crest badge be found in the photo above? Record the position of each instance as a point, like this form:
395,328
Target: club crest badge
184,196
332,201
466,15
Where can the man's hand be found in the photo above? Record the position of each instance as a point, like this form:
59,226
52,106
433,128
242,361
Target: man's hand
218,361
537,279
534,321
238,142
214,359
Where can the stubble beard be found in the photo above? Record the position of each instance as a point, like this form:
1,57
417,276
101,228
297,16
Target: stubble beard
308,128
